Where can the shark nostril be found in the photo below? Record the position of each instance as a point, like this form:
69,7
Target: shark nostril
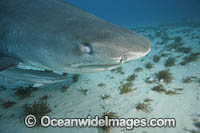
123,58
128,56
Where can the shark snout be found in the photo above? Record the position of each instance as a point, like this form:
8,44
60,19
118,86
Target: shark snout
131,55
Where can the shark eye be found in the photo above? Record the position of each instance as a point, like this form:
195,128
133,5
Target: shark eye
87,48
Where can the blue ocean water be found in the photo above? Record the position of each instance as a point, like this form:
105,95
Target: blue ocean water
163,84
141,12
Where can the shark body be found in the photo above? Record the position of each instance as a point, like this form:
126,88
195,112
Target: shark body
57,36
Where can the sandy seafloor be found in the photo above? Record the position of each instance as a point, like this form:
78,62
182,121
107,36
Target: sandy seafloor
74,103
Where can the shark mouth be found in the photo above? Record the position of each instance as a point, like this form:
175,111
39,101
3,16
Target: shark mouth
99,66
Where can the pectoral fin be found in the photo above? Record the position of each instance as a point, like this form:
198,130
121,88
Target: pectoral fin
8,61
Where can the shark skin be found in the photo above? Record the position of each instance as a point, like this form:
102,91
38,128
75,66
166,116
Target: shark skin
55,35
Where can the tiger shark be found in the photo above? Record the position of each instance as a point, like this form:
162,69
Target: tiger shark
36,78
57,36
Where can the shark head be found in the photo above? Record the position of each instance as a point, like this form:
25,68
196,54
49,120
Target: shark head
57,36
91,44
107,48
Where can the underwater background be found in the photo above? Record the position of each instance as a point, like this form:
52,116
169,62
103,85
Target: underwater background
130,13
163,84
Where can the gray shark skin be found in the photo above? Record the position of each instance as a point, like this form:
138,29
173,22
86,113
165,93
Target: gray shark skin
35,77
55,35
